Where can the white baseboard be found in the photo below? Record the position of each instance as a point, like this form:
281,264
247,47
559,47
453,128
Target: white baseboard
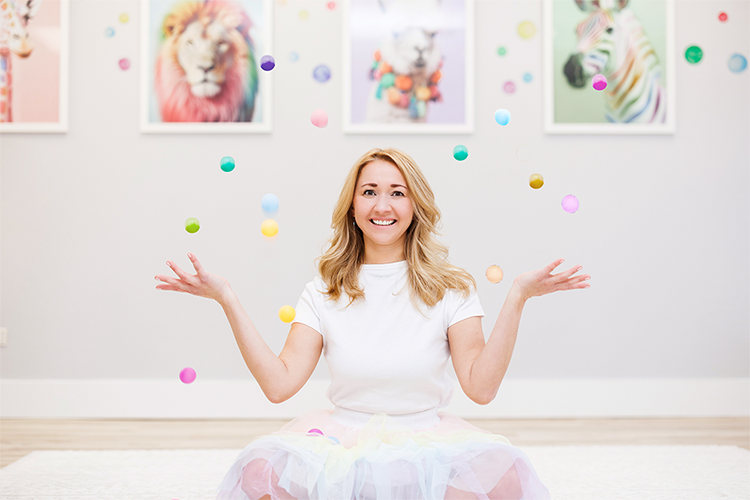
517,398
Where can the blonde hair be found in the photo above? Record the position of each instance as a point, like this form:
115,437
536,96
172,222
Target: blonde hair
430,275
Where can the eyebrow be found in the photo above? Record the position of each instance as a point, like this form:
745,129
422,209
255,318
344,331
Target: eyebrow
375,185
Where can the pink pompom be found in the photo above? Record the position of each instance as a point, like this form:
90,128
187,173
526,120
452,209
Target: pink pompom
187,375
319,118
599,82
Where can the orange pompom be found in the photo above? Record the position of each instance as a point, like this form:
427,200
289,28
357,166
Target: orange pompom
436,76
394,96
404,82
423,93
385,67
376,55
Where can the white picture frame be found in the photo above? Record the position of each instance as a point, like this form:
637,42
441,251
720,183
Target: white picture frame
365,22
53,39
260,13
577,111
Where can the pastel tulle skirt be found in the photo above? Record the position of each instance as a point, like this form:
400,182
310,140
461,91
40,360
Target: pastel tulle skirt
348,455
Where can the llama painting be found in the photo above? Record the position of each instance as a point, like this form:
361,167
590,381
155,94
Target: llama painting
203,66
626,41
408,66
33,58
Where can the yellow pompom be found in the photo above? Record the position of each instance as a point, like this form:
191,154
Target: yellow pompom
536,181
269,227
287,314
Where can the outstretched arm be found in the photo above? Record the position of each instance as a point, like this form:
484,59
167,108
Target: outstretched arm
481,368
267,368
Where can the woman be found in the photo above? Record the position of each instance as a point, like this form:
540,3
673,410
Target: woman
387,311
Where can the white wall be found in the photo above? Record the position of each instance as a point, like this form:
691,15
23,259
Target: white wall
89,217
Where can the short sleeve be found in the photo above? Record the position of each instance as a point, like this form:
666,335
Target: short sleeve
460,308
306,311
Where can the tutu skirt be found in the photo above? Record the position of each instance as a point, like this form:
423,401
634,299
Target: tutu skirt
343,454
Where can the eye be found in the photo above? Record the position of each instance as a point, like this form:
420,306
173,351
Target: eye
398,193
368,191
610,30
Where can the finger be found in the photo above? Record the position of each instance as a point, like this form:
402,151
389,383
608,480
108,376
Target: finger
553,265
170,288
570,272
168,280
202,274
179,272
577,283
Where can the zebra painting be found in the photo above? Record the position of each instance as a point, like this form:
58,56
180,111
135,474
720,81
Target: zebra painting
612,42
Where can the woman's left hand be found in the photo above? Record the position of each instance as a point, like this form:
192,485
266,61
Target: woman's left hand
542,282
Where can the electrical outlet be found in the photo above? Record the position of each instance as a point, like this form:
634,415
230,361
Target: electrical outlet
3,337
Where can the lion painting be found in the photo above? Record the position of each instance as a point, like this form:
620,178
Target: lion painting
205,69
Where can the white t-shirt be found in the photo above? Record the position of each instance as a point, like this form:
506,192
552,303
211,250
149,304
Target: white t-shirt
383,354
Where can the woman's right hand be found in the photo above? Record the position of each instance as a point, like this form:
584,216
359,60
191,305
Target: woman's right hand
202,284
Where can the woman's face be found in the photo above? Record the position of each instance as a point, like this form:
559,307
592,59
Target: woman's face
382,208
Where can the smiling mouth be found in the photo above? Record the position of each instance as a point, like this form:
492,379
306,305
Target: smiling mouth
383,223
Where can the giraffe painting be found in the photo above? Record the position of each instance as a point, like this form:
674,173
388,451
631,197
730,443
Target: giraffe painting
14,39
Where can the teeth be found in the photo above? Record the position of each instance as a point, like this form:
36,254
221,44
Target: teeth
383,222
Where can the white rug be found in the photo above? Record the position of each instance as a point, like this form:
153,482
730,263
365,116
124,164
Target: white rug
570,473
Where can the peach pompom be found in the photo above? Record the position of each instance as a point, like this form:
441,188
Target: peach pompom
404,83
394,96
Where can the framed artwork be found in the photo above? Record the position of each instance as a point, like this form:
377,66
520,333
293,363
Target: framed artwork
34,66
201,66
609,66
408,66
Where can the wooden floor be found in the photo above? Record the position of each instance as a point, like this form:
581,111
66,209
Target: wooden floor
19,437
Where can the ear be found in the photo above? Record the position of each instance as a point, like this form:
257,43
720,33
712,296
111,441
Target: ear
171,25
622,3
581,5
244,25
33,6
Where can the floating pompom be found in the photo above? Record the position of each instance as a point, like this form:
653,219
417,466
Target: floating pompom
319,118
693,54
287,314
570,204
267,63
269,203
322,73
536,181
494,274
502,116
269,228
460,152
227,164
737,63
526,29
192,225
187,375
599,82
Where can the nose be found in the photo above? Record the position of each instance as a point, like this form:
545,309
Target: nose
383,205
574,71
206,69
